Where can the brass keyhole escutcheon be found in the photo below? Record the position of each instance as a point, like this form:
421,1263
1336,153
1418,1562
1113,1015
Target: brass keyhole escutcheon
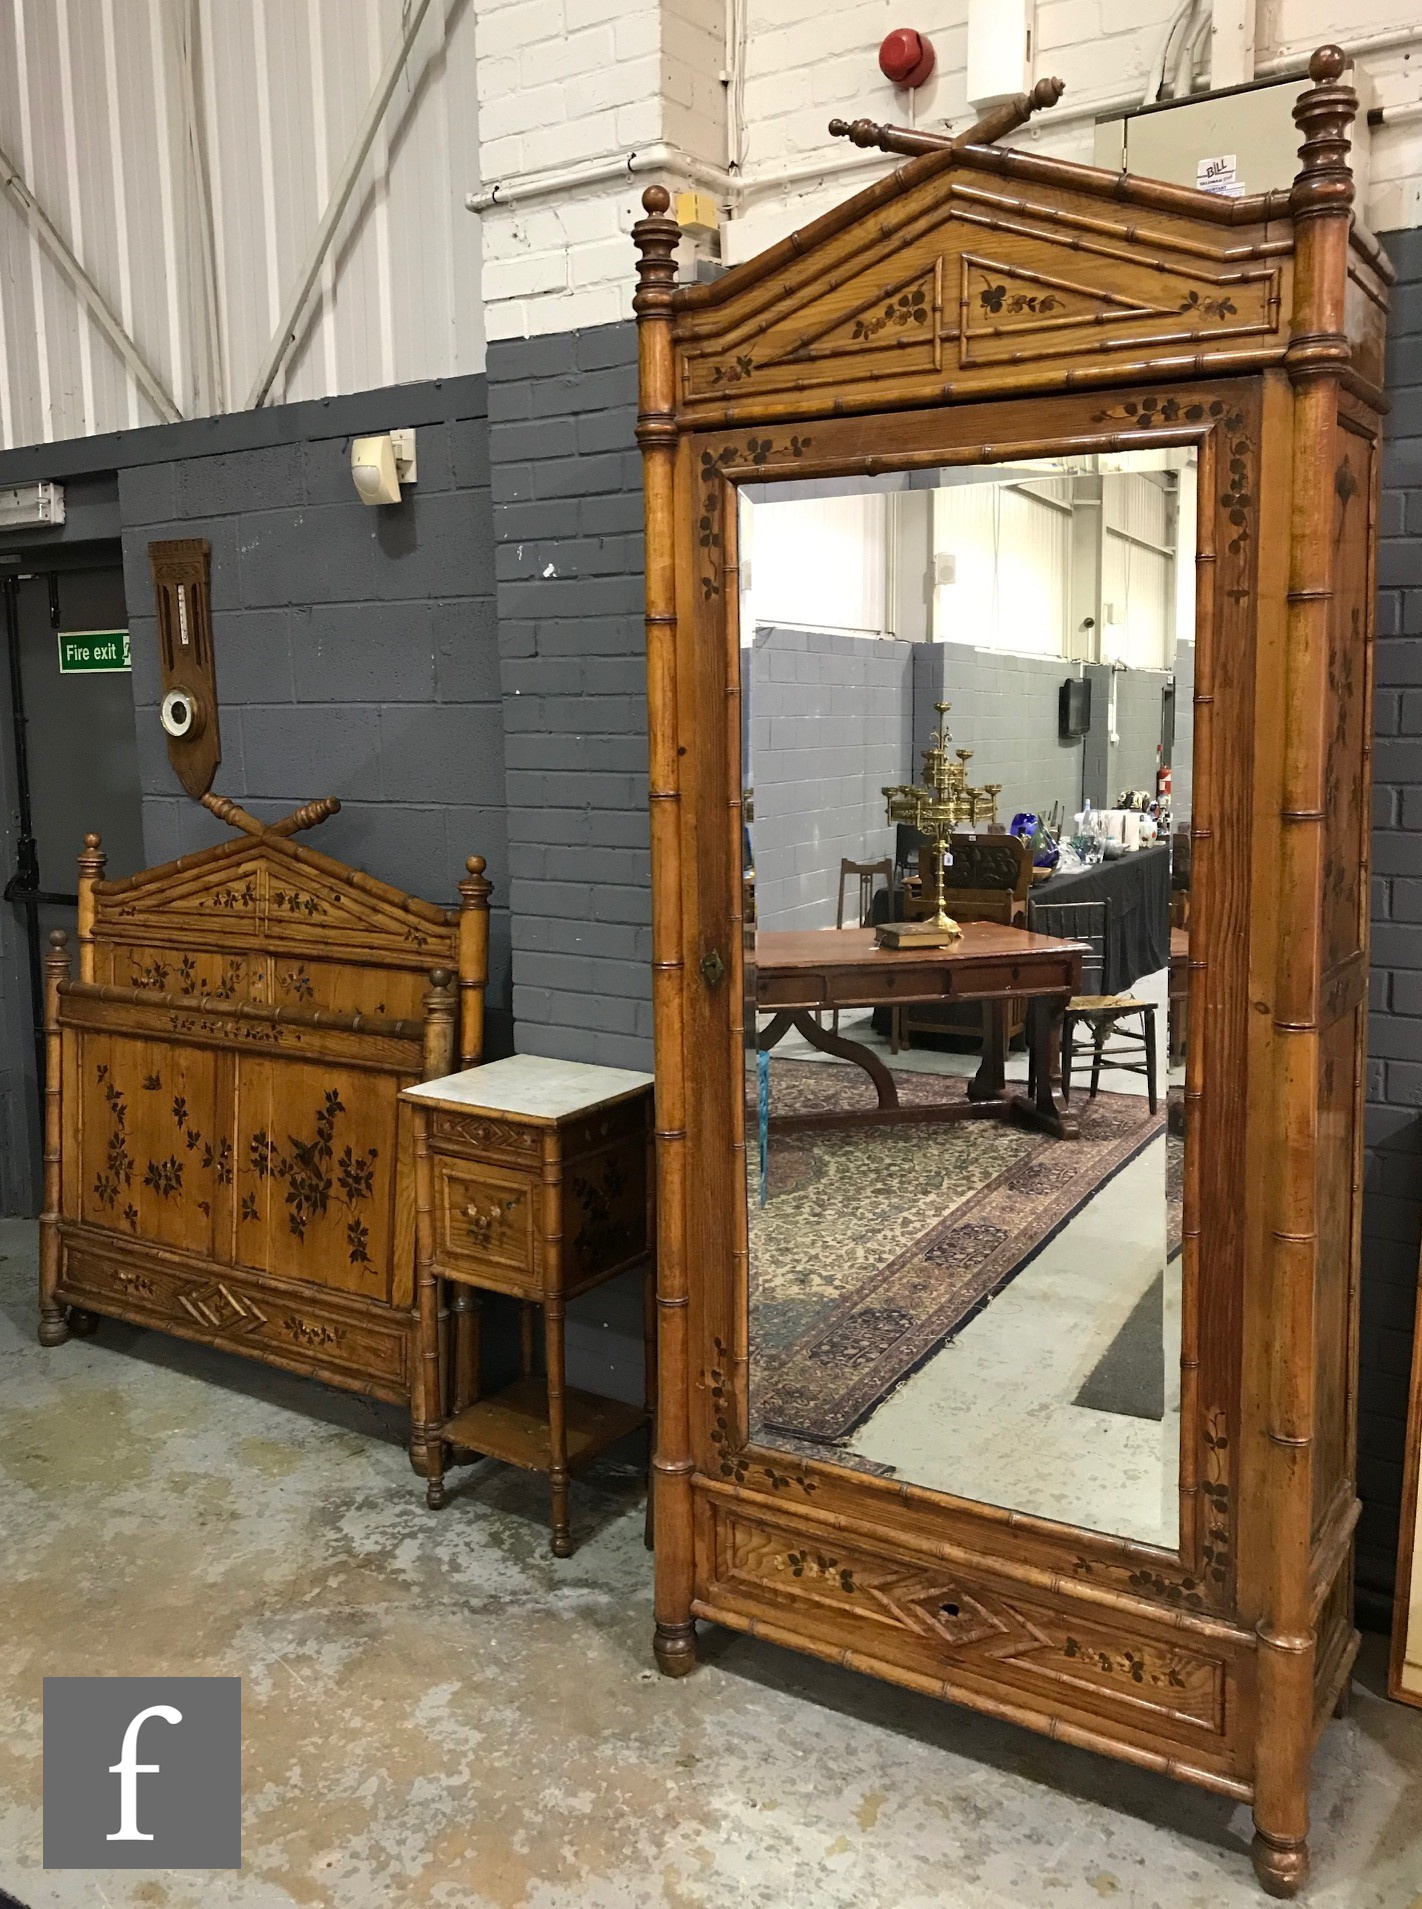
713,968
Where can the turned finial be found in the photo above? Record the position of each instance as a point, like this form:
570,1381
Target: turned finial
58,940
998,121
92,859
1324,114
912,141
1326,63
656,237
475,889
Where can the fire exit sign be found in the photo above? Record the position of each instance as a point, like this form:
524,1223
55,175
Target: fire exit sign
93,650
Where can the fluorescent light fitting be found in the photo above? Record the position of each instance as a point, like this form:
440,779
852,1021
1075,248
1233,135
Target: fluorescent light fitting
23,505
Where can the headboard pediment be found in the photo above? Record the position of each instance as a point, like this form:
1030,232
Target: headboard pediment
276,897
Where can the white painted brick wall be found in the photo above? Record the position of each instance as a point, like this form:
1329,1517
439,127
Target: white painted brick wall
1102,51
553,90
565,82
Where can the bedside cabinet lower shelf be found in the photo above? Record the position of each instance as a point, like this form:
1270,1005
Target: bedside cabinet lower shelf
512,1425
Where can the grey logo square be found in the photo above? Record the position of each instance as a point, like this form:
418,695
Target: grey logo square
143,1772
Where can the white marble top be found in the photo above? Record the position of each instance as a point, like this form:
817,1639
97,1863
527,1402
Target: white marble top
532,1085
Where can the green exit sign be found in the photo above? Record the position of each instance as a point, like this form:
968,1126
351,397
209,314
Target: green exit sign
93,649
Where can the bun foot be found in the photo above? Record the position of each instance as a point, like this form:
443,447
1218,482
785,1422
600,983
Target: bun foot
1281,1863
674,1647
83,1324
53,1326
562,1542
434,1493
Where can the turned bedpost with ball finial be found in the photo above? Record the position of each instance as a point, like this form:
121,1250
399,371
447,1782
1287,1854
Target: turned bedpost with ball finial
1320,206
656,237
474,893
92,863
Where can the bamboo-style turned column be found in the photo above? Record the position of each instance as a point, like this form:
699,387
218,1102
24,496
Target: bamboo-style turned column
1202,844
656,238
474,893
1321,205
432,1339
426,1391
92,863
53,1323
554,1352
439,1025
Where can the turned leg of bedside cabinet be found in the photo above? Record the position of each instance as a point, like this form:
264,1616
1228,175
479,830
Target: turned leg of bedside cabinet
557,1428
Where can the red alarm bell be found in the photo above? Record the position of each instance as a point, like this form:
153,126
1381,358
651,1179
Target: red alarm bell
906,57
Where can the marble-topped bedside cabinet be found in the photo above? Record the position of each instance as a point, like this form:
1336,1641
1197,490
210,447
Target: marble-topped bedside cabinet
533,1177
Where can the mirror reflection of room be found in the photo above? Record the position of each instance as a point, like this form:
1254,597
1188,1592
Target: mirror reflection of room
967,701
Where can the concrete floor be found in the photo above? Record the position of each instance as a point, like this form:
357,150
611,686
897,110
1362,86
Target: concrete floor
438,1713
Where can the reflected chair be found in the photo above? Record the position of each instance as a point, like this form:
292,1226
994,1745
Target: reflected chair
1178,1017
907,842
1180,879
867,873
1121,1026
987,879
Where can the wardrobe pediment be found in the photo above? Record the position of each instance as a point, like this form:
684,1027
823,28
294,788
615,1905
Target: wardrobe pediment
947,280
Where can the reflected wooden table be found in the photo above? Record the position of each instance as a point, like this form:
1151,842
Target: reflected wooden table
802,972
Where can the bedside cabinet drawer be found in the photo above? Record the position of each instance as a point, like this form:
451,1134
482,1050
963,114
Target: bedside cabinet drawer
484,1223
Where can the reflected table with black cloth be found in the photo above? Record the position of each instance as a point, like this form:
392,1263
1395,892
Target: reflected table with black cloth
1136,889
802,972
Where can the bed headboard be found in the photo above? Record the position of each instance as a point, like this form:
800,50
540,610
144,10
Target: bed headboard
263,919
226,1152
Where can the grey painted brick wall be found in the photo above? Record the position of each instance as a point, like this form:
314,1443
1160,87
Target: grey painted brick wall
1110,768
1139,706
1392,1205
356,649
1004,708
830,728
567,518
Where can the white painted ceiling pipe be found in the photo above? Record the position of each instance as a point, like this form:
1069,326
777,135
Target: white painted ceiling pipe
613,166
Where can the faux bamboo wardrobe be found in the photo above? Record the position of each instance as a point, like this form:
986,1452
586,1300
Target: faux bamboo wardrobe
985,307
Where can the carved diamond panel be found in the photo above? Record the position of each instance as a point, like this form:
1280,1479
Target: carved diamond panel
964,1623
214,1304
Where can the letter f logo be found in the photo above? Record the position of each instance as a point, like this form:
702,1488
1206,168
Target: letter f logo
128,1770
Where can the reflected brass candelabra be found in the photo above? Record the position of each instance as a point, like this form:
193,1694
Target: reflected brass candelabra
942,802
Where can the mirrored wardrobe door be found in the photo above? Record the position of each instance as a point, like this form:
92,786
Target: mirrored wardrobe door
966,715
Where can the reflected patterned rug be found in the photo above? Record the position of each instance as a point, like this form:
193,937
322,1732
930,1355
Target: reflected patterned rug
877,1244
